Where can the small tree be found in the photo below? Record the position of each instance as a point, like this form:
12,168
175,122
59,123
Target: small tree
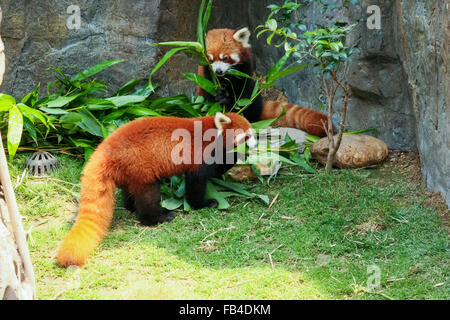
325,47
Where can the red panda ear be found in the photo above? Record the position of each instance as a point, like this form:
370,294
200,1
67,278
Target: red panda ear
220,120
242,36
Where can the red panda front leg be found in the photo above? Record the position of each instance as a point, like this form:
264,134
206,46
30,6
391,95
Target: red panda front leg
196,182
147,198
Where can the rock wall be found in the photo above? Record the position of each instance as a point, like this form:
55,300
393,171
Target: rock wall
399,79
422,33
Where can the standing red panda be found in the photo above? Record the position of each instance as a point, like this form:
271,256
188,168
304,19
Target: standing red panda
135,158
227,48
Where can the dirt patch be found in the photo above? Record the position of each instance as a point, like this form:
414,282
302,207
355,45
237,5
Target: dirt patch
409,163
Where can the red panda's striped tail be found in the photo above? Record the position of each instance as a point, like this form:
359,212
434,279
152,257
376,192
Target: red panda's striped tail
94,216
309,120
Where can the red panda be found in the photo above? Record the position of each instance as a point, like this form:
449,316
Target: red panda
227,48
135,158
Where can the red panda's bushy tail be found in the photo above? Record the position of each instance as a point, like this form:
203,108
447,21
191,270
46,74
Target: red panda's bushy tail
309,120
94,216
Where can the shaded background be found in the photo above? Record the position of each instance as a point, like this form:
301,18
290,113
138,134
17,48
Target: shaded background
399,79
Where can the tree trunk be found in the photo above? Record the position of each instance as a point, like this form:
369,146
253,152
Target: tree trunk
16,271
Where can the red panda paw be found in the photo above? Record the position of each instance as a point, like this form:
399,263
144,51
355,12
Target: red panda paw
223,96
211,203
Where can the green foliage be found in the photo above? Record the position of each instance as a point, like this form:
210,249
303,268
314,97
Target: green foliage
326,46
84,110
22,115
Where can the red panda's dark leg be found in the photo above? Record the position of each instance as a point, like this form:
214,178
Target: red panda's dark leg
147,200
196,182
128,200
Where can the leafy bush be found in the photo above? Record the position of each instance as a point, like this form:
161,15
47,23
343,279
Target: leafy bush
325,47
82,111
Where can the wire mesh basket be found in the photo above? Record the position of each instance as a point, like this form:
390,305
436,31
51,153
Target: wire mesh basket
41,163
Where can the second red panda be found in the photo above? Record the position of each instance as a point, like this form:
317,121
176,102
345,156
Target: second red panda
135,158
227,48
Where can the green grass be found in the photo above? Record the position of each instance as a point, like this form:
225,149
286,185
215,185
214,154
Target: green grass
317,242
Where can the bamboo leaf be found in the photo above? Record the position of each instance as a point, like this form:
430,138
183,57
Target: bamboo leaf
15,128
95,69
91,124
287,72
6,102
277,67
263,124
202,82
164,59
143,112
121,101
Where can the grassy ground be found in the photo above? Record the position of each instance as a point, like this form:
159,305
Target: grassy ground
325,237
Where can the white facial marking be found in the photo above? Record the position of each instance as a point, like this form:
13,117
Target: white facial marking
251,142
211,57
220,65
240,138
235,57
221,56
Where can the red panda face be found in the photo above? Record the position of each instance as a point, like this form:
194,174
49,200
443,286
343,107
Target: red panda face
236,129
227,48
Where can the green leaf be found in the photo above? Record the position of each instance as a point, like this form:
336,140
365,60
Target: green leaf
121,101
336,46
33,113
82,143
212,192
216,107
299,160
207,15
172,203
95,69
164,59
29,126
191,44
202,82
53,110
363,131
263,124
269,38
243,102
63,100
114,115
200,26
311,138
143,112
71,117
130,85
272,24
277,67
239,189
31,98
15,128
238,73
287,72
6,102
91,124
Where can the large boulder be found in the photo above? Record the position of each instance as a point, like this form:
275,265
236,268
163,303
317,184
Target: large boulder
355,151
